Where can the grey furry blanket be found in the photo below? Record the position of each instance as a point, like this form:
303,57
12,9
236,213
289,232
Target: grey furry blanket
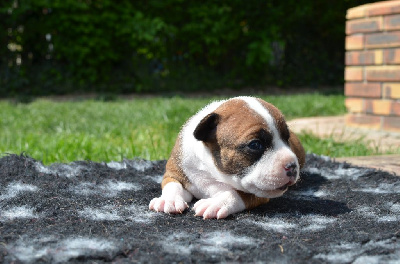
97,212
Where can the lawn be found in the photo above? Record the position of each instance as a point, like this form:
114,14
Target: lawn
144,127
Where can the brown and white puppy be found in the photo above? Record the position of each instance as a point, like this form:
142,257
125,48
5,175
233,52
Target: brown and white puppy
232,155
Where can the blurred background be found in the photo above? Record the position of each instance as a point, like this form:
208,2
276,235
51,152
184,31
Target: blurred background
55,47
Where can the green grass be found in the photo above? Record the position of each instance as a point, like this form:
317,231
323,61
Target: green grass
332,148
146,128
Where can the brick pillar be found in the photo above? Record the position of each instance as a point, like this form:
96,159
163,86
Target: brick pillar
372,73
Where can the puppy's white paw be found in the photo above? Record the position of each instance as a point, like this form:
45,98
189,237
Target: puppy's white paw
174,206
173,200
220,206
211,208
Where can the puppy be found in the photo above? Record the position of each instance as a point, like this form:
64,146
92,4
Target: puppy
232,155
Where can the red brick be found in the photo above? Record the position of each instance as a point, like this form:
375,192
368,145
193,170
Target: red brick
383,73
354,105
364,25
369,90
355,42
383,40
383,8
374,9
364,57
356,12
382,107
391,90
391,123
391,56
363,120
395,108
392,22
353,74
378,107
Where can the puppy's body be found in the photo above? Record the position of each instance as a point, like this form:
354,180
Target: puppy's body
232,155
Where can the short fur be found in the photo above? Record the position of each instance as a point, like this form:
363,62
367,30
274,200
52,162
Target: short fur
232,155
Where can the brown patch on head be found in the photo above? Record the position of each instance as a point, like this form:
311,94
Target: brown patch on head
238,137
230,150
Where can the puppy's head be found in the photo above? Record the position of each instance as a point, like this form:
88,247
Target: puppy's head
249,142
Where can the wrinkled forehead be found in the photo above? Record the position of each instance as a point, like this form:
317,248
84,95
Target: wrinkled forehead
247,115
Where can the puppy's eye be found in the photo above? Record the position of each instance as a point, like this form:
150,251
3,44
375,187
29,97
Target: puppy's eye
256,145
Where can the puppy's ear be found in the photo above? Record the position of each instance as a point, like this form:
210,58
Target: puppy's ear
205,130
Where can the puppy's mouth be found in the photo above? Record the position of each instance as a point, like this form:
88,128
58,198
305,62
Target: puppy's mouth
286,186
272,193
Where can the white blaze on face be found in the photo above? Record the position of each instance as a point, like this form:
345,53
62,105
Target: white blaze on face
268,174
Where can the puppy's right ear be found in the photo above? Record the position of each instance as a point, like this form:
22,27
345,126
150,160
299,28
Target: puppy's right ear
207,127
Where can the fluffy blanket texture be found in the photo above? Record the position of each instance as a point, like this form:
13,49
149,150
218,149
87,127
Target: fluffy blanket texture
98,212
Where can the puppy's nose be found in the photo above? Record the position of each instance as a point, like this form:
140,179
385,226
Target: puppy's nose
291,169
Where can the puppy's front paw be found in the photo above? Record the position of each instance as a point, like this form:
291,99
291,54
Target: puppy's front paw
219,206
210,208
169,206
173,200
